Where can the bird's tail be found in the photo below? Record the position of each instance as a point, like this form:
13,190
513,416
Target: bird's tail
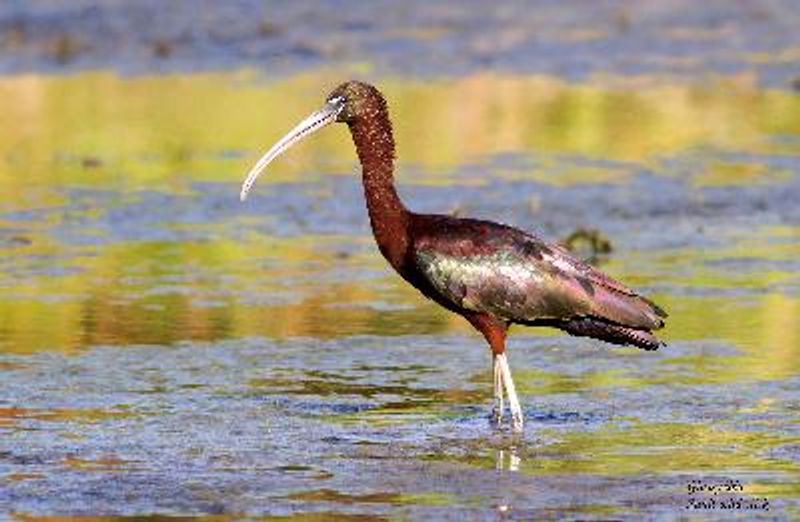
612,332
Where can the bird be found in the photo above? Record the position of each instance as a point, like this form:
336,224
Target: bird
492,274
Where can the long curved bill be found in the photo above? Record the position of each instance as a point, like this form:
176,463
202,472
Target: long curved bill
308,126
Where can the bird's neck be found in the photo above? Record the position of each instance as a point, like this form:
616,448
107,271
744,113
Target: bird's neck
388,216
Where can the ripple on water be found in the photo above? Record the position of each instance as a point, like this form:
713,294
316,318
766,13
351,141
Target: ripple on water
274,424
165,349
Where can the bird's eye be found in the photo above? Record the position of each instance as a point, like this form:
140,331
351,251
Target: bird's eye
336,100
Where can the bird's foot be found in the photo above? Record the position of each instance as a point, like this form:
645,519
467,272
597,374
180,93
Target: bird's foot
496,419
517,422
497,413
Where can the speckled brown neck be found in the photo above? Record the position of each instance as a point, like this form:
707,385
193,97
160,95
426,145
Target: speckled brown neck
372,135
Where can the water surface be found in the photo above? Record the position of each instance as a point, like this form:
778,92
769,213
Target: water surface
165,349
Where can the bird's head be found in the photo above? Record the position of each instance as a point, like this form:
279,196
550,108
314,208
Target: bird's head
347,103
356,100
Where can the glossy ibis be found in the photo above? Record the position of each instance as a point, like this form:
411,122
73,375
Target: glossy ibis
491,274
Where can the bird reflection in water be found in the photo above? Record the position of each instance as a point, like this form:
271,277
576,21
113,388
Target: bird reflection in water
510,464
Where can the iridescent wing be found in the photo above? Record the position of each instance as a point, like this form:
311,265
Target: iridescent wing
481,266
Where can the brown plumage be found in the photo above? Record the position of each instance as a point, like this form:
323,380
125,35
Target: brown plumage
491,274
486,268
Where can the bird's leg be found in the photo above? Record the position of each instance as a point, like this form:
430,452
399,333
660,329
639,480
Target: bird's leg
497,410
494,330
513,402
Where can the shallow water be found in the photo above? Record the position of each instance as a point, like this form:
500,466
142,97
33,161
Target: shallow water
165,349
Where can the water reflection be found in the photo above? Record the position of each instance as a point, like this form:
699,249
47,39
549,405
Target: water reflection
358,423
276,336
510,464
134,139
148,256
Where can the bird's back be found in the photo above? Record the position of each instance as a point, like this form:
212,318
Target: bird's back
483,267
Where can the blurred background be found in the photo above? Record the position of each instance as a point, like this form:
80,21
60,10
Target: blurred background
660,139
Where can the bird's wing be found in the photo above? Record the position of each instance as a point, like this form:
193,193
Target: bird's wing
485,267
